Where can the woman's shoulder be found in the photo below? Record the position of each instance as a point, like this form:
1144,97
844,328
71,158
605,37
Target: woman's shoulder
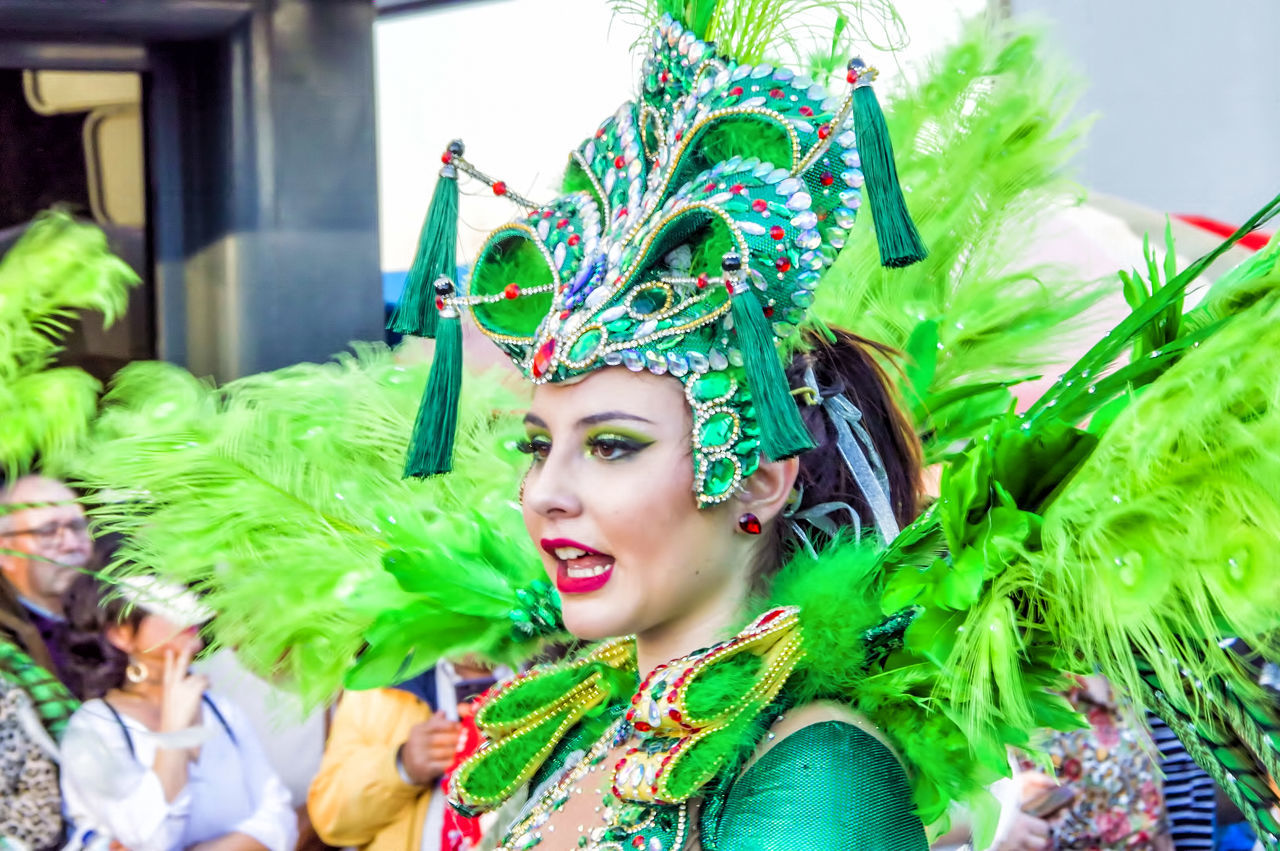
822,760
824,727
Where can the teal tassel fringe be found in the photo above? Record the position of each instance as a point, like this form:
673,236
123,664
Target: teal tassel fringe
899,241
431,449
437,255
782,432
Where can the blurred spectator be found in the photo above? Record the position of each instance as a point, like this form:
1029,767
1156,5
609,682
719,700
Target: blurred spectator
156,762
30,800
44,541
1106,792
380,783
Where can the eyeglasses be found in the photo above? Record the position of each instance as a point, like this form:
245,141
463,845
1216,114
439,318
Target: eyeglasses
53,530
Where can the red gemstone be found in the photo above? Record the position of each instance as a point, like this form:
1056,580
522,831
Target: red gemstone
782,264
735,91
737,189
446,157
564,314
643,727
674,714
546,214
759,205
542,360
777,232
664,77
574,239
500,188
563,223
702,281
768,314
679,135
806,111
619,161
637,841
439,303
600,133
775,93
824,131
827,178
728,286
511,290
852,77
710,187
622,211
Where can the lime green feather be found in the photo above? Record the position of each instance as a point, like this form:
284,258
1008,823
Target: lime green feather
279,496
982,143
58,268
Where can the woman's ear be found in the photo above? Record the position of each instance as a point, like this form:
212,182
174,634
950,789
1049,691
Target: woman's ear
120,637
766,491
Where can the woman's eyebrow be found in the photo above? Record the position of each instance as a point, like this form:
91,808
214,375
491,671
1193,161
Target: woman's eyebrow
608,416
534,420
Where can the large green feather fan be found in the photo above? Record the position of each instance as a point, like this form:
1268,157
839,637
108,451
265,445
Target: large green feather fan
279,496
982,144
58,268
1131,547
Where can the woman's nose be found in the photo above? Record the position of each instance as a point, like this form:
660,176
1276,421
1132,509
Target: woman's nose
551,487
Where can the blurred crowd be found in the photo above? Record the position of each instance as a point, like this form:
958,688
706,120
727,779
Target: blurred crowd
115,736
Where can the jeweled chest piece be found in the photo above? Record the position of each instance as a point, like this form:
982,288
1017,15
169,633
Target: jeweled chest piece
582,811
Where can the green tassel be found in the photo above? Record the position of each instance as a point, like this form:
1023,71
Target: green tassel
431,449
899,241
437,255
782,432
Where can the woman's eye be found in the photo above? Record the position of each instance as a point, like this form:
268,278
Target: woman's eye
610,448
536,447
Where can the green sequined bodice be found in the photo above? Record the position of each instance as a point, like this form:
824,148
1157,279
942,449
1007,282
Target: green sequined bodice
825,787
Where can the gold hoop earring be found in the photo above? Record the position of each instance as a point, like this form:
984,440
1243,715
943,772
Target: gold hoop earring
136,673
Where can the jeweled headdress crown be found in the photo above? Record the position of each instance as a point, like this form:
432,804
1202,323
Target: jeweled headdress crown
695,225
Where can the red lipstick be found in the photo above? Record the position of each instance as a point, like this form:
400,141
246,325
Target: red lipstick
582,574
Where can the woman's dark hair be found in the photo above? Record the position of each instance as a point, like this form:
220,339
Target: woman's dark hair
95,664
851,366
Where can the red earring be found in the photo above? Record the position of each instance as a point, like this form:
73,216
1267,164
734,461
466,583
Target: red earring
749,523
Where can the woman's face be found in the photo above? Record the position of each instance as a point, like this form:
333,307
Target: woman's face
609,502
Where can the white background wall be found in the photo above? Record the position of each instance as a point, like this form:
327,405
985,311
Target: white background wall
1186,98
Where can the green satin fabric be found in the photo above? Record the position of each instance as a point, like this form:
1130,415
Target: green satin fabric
826,787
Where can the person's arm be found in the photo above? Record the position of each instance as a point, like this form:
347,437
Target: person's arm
824,787
358,790
106,790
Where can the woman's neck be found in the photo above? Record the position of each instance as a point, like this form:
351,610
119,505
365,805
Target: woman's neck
702,627
146,691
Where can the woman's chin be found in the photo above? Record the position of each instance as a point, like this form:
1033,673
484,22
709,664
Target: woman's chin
595,620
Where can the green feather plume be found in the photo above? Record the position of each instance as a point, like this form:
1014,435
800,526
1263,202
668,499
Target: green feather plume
58,268
982,143
279,496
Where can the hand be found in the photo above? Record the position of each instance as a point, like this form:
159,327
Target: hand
182,695
1025,833
429,751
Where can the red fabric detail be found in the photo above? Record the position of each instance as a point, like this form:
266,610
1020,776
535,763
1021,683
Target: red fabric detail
1252,241
460,833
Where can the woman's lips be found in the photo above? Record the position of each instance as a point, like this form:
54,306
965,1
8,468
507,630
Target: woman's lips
579,569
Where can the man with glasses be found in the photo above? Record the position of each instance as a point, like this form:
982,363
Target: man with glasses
44,543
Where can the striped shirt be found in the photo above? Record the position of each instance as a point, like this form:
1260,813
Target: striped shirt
1188,792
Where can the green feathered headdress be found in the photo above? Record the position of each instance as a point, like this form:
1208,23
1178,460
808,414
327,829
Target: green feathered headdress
696,226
